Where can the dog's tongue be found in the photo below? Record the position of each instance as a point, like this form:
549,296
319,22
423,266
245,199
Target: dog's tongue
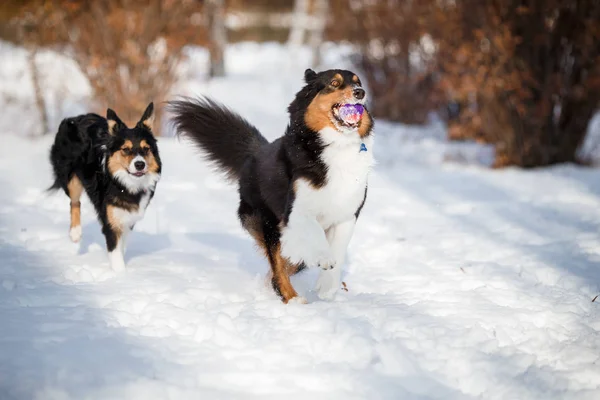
351,113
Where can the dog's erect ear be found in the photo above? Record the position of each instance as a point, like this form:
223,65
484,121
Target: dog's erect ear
309,75
114,122
148,117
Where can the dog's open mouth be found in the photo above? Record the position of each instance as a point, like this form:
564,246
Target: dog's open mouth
137,173
348,115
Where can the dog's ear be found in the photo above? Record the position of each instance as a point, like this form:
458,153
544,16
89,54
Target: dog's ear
147,119
114,122
309,75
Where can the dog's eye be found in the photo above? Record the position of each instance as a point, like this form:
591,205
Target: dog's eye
145,150
126,151
335,83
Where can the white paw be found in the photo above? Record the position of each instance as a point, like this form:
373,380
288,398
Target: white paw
117,266
303,239
75,233
116,261
325,260
298,300
328,284
327,294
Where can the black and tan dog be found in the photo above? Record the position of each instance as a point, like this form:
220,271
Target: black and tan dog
118,168
300,195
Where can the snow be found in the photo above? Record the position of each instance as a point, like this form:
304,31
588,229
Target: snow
66,89
590,148
463,282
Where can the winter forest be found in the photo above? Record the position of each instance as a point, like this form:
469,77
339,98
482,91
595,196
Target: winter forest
474,268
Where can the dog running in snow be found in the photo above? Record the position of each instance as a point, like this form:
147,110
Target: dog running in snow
118,167
300,196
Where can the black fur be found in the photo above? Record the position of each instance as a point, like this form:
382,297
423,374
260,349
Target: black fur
227,138
265,171
77,148
83,147
357,213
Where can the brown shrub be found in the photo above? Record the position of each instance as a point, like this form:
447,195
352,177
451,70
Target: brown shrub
394,54
129,50
525,74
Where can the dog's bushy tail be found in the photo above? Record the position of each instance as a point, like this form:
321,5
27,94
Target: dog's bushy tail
55,186
226,138
65,129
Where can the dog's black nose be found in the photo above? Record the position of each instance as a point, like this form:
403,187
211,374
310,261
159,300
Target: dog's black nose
139,165
359,93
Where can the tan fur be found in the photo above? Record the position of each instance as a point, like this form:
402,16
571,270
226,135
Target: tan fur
252,226
355,79
125,205
119,160
111,126
114,223
150,160
318,113
281,277
75,214
282,267
292,269
75,188
149,122
365,125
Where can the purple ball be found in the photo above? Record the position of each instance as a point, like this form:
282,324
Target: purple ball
351,112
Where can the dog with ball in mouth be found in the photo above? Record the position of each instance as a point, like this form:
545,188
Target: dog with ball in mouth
300,195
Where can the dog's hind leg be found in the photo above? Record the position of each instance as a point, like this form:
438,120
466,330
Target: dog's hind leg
75,189
290,268
251,222
293,269
266,234
280,279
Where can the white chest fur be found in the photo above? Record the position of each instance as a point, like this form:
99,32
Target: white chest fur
347,172
129,218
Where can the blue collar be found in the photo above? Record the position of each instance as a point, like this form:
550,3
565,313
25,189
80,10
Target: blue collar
363,147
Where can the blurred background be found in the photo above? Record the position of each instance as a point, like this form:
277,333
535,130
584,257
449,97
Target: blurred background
518,81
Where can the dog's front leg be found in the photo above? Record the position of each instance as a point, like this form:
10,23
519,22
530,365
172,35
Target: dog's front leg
338,236
114,246
303,240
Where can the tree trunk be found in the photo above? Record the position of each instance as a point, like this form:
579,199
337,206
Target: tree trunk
218,37
40,102
299,19
316,36
536,142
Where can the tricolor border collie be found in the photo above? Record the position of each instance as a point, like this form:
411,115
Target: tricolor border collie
300,195
118,167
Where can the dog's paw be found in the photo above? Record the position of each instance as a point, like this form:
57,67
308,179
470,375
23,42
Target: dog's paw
117,266
75,233
116,261
326,292
326,262
328,284
297,300
322,259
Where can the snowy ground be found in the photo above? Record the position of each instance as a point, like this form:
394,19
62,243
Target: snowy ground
464,283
